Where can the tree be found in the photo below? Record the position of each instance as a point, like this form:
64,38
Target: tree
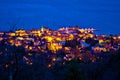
73,71
72,43
91,41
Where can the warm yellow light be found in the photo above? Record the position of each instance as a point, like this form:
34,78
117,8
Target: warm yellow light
26,47
54,59
82,30
101,41
104,49
97,48
20,38
91,35
18,43
118,37
54,47
67,48
30,48
89,30
58,39
39,34
59,34
49,65
48,38
20,31
80,35
12,34
114,37
42,29
20,34
11,41
71,36
69,59
62,28
80,58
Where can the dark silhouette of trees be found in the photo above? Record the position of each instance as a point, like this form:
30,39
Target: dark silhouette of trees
91,41
73,71
72,43
11,57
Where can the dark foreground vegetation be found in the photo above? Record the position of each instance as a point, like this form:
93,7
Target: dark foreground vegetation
13,67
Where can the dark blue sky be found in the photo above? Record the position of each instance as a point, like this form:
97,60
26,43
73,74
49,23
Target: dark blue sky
103,15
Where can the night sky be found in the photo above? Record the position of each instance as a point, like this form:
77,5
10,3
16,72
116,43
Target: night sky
103,15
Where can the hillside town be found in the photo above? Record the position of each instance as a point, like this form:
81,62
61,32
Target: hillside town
48,48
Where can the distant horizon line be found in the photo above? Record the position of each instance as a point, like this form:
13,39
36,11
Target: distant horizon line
58,29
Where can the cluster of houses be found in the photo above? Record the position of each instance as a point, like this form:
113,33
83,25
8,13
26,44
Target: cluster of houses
72,42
